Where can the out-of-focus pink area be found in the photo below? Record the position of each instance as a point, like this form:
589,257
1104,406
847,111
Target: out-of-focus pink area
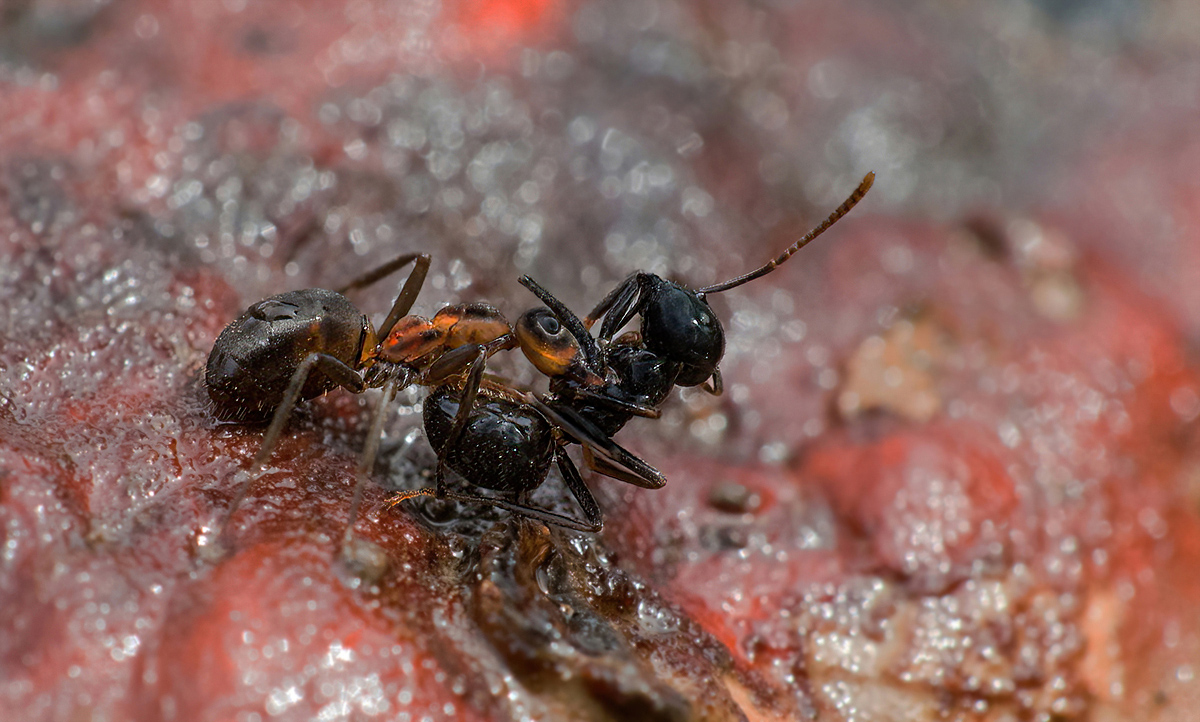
955,472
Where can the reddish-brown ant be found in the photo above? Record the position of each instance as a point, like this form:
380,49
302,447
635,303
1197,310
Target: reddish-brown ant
302,344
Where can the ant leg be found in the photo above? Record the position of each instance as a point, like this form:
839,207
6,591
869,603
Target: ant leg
337,371
621,289
370,450
717,387
452,363
301,232
466,403
620,306
379,272
601,465
460,360
586,433
407,296
628,407
478,356
583,495
594,520
587,344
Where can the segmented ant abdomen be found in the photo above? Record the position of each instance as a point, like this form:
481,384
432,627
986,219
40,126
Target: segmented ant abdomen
256,355
679,325
505,445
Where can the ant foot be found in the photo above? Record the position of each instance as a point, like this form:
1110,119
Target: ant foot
361,562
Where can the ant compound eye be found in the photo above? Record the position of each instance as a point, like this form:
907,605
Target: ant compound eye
543,328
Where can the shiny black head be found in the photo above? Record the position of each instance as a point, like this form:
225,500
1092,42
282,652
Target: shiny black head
678,324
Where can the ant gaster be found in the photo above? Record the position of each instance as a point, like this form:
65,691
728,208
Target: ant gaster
507,442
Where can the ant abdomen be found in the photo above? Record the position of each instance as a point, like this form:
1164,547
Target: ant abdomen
254,358
504,445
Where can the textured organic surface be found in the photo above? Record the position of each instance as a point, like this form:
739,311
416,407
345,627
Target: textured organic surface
955,473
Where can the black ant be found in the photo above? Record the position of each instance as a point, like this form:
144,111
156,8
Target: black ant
498,438
504,440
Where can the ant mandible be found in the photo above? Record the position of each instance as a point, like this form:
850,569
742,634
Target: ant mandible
507,442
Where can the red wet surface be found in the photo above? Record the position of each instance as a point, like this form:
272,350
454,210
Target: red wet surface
955,474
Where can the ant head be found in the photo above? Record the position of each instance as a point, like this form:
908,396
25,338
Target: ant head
548,344
679,325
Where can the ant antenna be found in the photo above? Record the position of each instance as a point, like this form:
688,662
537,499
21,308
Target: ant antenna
842,210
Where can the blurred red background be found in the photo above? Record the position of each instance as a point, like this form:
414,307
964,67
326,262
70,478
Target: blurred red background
955,472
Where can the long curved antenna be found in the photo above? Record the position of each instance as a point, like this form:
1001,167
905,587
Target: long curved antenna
842,210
